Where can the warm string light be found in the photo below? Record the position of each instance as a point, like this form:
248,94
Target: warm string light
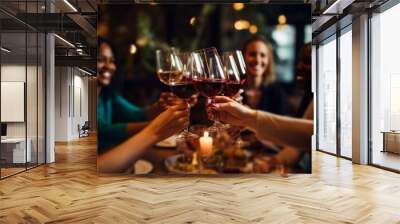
241,24
282,19
192,20
253,29
244,25
238,6
132,49
143,41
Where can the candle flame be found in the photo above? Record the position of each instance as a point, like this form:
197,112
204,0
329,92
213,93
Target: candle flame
206,134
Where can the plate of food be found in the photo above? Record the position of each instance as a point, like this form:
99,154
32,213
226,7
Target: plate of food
236,160
143,167
168,142
176,165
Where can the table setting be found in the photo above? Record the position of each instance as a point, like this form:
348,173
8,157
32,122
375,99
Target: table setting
200,149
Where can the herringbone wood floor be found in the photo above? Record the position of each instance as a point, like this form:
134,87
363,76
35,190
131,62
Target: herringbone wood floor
70,191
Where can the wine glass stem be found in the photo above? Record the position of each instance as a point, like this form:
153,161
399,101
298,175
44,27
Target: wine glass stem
216,122
187,101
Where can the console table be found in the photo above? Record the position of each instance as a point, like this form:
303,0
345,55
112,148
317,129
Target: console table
391,141
13,150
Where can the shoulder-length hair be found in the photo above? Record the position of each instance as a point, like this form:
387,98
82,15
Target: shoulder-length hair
269,75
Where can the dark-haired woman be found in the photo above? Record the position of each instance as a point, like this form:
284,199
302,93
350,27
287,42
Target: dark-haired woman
123,132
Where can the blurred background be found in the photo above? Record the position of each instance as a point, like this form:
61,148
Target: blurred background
137,30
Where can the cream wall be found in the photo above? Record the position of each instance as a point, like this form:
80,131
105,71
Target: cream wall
33,127
71,102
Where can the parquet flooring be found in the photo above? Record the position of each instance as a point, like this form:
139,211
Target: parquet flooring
70,191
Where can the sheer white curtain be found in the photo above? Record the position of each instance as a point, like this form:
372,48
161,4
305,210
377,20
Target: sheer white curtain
327,96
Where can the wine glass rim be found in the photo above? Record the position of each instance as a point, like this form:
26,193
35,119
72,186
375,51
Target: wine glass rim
205,49
231,52
168,49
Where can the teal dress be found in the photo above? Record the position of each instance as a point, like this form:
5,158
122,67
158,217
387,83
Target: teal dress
114,113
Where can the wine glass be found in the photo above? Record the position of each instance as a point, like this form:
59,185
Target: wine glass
184,89
241,65
169,66
208,75
232,77
235,71
232,74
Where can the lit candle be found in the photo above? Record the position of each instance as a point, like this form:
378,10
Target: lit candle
206,143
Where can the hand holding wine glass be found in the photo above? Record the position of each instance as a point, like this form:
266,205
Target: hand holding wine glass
229,111
184,89
168,99
208,75
169,66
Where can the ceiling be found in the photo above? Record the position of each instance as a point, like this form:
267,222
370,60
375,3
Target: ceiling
76,21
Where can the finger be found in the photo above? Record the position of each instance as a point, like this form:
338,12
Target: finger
222,99
211,115
224,106
227,117
233,108
180,114
180,107
183,120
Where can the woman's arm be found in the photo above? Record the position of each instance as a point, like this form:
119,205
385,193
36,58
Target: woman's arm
122,156
119,158
281,130
135,127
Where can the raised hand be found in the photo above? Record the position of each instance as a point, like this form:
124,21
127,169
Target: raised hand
169,122
168,99
229,111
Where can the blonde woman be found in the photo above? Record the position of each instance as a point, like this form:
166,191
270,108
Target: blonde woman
261,90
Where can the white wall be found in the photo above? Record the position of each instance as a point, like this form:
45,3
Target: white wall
33,127
71,94
12,73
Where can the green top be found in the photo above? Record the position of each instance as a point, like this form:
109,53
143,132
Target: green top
113,114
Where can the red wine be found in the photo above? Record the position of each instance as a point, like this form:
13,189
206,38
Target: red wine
231,89
183,90
243,78
209,88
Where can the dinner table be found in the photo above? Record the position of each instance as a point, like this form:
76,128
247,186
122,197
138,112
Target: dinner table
158,155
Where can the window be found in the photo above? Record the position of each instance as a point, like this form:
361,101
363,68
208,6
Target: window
385,89
326,101
346,93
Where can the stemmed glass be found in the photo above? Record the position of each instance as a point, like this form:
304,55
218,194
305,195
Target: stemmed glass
169,66
241,65
208,76
235,70
232,74
184,88
232,77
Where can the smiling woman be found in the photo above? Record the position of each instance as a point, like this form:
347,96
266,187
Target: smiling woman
261,90
123,133
206,32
